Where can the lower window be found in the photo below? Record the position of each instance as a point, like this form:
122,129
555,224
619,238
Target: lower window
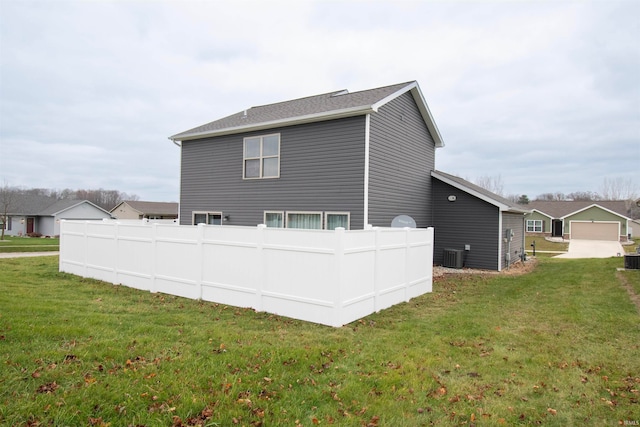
306,220
211,218
334,220
534,226
274,219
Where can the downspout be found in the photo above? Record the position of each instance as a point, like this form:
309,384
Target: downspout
523,253
500,234
180,181
367,125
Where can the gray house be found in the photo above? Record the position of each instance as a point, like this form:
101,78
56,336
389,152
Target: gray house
337,159
32,214
474,227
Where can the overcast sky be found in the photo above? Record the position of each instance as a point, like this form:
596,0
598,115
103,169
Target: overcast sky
543,94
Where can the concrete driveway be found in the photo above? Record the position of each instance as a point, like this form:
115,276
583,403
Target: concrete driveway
593,249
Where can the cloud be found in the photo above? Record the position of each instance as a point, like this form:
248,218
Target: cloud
545,94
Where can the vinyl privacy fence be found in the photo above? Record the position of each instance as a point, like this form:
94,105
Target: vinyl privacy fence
326,277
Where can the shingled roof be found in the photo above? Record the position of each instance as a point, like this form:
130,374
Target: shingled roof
477,191
151,208
561,208
327,106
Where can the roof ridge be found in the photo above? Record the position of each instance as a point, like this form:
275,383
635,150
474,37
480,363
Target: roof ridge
335,92
298,99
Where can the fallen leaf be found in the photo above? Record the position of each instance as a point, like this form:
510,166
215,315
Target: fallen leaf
48,388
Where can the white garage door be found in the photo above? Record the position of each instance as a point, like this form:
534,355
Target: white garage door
595,231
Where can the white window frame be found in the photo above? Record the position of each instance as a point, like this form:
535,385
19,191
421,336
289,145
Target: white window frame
260,158
326,218
303,213
264,217
531,226
208,214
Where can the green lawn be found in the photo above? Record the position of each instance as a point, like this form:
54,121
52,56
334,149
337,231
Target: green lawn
543,247
632,248
558,346
29,244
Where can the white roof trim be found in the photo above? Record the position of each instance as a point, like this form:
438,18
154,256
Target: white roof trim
328,115
422,106
543,213
426,114
595,205
78,204
501,206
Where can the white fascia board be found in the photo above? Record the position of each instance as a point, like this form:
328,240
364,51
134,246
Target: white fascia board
116,206
310,118
595,205
80,203
426,114
393,96
543,213
422,107
501,206
69,207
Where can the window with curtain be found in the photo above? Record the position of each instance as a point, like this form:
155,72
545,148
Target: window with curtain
306,220
334,220
274,219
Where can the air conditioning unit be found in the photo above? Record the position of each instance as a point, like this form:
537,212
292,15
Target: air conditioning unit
453,258
632,262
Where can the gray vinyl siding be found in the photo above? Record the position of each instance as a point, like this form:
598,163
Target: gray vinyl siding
466,221
514,222
321,169
401,156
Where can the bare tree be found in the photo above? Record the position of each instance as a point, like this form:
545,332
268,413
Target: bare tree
583,195
619,189
491,183
551,196
7,201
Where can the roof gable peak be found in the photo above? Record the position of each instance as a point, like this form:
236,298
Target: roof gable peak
315,108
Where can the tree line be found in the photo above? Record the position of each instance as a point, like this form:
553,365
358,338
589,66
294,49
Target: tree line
106,199
10,199
611,189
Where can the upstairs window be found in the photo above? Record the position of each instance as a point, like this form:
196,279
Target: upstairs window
261,157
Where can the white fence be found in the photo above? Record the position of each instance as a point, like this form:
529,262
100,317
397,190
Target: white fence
326,277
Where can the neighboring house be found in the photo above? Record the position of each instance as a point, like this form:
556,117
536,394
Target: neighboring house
338,159
484,229
40,215
583,219
134,209
634,228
